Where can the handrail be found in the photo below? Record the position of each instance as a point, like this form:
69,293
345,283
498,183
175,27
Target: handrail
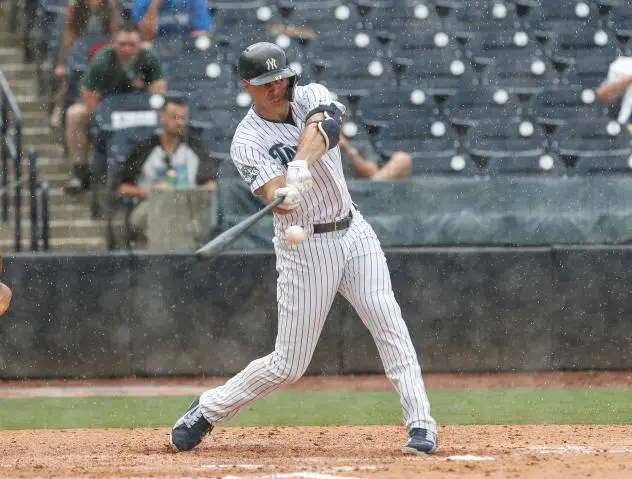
11,149
39,198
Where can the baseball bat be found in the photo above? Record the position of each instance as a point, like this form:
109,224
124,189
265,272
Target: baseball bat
225,240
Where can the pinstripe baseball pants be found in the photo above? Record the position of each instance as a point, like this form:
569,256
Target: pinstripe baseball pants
310,274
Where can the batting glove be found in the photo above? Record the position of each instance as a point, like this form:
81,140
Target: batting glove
291,195
298,175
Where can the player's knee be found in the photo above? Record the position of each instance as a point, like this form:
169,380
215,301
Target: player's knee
285,371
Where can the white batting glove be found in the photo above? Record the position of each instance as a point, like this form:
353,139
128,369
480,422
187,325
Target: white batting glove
298,175
291,194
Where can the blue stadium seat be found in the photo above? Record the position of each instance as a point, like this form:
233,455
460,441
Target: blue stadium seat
521,74
217,141
415,43
439,75
589,72
344,42
620,21
554,17
484,47
467,107
466,18
422,137
601,138
383,105
536,164
317,16
219,109
459,164
408,14
499,138
239,24
576,47
355,77
555,106
190,72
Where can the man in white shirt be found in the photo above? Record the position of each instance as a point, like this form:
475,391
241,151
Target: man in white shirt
618,83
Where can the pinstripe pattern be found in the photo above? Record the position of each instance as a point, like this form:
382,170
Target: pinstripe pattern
350,262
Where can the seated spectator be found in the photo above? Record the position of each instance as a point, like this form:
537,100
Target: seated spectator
168,159
164,17
83,18
360,160
618,84
121,68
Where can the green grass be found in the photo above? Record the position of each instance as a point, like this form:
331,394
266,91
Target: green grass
499,406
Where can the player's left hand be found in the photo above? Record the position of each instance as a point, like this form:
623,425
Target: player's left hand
298,175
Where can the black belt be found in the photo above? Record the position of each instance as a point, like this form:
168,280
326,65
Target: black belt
339,225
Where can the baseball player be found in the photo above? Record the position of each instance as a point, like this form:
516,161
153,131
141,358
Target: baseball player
287,146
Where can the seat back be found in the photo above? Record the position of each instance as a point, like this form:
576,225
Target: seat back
466,107
503,138
592,137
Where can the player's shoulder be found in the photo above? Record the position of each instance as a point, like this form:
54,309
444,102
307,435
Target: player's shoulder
311,90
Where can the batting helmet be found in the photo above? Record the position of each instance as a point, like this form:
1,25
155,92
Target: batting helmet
266,62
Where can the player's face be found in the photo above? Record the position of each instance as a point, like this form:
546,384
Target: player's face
269,98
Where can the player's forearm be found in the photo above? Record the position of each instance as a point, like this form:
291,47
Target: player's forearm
611,91
148,25
311,145
267,192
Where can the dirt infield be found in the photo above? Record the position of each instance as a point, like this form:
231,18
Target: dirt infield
321,452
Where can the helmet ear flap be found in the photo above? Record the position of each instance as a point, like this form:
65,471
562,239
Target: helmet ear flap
291,85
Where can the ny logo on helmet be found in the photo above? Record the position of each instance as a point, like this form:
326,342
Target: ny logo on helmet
271,64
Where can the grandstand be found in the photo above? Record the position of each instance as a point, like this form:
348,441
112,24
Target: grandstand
476,89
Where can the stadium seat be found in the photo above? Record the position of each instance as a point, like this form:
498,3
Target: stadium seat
355,78
413,43
555,106
344,43
311,18
554,17
466,18
217,141
77,64
484,47
190,72
620,21
217,108
460,164
409,14
536,164
521,74
252,19
423,138
589,72
601,138
466,107
383,105
518,138
440,75
570,48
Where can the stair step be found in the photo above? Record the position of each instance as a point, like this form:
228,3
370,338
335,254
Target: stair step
17,71
9,54
63,229
86,244
32,103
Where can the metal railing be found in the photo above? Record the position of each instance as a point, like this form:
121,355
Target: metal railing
11,155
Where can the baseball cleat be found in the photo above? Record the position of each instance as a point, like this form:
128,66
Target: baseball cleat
421,442
190,429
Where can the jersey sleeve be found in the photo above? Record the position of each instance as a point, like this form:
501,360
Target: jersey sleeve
312,95
255,166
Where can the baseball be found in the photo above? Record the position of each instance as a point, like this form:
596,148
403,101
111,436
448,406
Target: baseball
295,234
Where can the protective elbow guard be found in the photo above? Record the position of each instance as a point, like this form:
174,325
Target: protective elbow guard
329,126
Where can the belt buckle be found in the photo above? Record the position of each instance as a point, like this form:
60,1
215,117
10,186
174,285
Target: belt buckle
335,226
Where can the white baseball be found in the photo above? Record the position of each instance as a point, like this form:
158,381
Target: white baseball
295,234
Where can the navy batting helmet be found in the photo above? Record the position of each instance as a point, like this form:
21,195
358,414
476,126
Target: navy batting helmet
266,62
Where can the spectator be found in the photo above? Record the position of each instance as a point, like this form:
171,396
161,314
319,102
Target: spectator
163,17
618,83
83,18
362,161
121,68
168,159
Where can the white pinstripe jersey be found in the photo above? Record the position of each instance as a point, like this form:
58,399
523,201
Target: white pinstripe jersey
262,148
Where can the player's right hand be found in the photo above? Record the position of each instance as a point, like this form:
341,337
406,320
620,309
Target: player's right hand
291,195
